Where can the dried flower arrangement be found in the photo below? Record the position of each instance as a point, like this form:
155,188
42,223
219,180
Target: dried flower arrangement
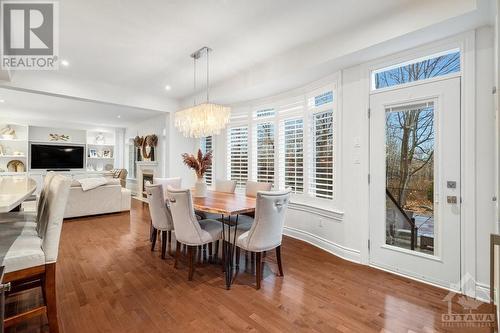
199,163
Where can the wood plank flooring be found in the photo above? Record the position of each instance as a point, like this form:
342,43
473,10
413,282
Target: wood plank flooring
108,280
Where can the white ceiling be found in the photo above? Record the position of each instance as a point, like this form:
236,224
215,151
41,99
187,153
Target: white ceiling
34,107
124,52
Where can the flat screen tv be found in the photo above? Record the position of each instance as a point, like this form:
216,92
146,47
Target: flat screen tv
53,157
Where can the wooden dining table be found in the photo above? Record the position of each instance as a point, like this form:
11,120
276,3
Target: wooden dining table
227,205
14,190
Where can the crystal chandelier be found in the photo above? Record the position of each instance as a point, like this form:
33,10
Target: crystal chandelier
203,119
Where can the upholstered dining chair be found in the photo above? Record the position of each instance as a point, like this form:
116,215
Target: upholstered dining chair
188,230
266,232
161,218
251,188
175,182
31,217
29,252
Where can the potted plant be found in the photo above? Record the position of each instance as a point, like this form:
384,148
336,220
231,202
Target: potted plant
200,164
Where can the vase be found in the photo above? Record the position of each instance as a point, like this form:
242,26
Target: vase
200,188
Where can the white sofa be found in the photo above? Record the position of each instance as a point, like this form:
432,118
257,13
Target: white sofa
108,198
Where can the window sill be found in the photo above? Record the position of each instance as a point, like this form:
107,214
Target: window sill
315,206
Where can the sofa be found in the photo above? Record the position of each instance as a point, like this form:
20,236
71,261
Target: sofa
108,198
118,174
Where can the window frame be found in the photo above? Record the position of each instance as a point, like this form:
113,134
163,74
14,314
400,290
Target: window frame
202,146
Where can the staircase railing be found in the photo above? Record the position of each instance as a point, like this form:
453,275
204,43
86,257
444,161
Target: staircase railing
410,220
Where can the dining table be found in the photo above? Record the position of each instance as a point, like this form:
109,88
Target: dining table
14,190
227,205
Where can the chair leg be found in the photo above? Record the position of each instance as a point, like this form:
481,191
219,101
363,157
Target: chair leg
169,244
191,250
278,259
204,252
177,253
216,253
258,274
210,257
163,243
153,241
49,284
151,230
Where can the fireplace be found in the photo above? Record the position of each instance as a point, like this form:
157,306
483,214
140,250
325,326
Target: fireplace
146,171
147,177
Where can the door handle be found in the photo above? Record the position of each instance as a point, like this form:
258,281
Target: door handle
451,199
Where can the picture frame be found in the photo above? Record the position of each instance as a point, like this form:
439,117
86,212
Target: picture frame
106,153
92,152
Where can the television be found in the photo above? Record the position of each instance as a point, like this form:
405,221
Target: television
56,157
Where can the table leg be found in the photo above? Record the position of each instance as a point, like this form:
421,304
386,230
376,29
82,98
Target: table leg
229,244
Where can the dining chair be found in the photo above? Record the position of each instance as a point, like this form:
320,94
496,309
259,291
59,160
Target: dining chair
225,186
31,217
188,230
251,188
175,182
29,253
161,218
266,232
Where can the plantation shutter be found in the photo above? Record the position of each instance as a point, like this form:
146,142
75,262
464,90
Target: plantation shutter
206,146
237,167
265,152
292,154
321,171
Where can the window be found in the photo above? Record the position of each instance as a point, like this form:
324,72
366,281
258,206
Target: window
419,69
132,158
238,154
265,152
292,153
206,145
289,143
321,179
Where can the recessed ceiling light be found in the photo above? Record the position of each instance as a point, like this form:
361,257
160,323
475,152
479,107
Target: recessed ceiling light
118,116
65,63
168,88
2,100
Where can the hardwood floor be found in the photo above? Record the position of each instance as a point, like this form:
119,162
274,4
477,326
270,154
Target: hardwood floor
108,280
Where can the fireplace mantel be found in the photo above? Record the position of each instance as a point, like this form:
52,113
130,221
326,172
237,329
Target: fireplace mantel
145,167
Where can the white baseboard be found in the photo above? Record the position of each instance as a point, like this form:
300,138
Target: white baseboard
483,292
324,244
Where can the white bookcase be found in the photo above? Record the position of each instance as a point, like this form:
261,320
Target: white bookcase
14,148
100,151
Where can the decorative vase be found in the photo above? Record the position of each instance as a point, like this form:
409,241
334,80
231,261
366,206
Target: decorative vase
200,188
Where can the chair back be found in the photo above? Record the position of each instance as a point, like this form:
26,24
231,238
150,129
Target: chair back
41,203
160,214
253,187
175,182
52,219
187,228
226,186
266,231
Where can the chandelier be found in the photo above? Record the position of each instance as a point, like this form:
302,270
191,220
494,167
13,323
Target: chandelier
203,119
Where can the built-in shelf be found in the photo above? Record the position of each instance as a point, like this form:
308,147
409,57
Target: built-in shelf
12,156
8,173
101,144
100,158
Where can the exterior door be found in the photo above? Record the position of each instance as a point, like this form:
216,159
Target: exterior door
415,181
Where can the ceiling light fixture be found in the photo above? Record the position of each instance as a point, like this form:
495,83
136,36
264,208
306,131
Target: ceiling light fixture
203,119
118,116
2,100
65,63
168,88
